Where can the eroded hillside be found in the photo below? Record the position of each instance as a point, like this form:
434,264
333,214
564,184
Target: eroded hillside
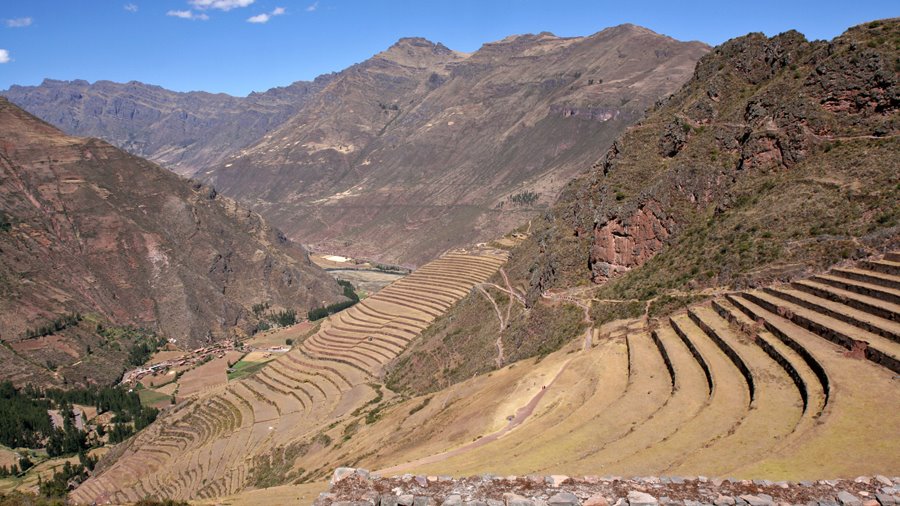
421,148
88,229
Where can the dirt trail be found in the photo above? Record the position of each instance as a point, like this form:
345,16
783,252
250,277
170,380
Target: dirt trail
493,303
571,296
500,357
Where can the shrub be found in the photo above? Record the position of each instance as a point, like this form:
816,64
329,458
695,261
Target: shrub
525,198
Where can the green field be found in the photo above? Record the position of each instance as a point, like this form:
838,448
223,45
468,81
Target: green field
152,397
244,368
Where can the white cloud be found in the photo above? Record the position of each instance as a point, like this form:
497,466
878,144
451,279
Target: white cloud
265,17
131,7
312,7
188,15
18,22
4,56
224,5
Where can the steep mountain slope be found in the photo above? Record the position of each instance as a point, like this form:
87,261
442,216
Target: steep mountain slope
778,158
87,228
421,148
181,131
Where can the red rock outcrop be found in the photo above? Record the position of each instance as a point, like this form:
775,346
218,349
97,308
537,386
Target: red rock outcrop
622,244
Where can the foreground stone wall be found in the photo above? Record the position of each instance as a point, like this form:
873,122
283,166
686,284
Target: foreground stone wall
357,487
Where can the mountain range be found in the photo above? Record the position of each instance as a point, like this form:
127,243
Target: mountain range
184,132
400,157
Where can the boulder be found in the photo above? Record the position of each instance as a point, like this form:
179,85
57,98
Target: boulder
405,500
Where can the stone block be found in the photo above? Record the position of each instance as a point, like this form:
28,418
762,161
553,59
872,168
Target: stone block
596,500
637,498
724,500
516,500
884,480
564,499
341,473
452,500
753,500
555,480
848,499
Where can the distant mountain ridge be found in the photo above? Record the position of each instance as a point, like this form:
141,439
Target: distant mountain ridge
402,156
86,228
183,131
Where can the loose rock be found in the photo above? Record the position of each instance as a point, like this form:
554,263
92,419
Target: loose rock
636,498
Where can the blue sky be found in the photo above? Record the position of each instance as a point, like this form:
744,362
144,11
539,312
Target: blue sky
211,45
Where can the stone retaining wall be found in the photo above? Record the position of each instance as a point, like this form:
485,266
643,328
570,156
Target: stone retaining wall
357,487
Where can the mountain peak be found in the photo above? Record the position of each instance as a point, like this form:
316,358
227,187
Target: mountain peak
419,52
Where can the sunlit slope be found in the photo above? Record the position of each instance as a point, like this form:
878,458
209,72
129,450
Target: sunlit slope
213,445
787,382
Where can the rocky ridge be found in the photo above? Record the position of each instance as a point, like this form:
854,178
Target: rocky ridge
357,487
767,129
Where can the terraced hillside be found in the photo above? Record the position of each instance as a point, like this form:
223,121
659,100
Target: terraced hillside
222,441
789,382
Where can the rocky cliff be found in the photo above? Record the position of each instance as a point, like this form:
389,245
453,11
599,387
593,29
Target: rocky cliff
86,228
422,148
183,132
776,157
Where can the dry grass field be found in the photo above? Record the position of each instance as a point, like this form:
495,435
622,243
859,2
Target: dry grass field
207,376
279,337
8,457
776,383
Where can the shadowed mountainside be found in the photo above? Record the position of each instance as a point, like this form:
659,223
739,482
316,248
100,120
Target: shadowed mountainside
87,228
183,132
421,148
